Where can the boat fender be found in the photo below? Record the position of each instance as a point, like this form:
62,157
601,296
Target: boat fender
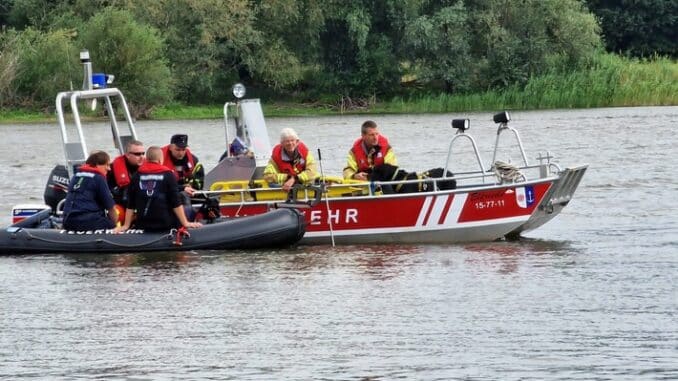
57,186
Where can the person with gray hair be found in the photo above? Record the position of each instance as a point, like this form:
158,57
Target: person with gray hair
291,162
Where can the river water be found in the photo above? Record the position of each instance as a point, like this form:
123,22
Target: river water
591,295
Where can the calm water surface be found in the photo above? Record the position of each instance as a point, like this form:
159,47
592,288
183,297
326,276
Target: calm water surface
591,295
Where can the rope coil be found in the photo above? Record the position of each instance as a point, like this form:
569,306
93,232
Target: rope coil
507,173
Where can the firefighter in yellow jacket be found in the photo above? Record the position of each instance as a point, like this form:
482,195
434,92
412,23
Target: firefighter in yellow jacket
291,162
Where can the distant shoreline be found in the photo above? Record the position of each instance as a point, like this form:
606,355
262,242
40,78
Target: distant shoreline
273,110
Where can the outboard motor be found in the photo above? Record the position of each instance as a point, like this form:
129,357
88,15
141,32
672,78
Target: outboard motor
57,187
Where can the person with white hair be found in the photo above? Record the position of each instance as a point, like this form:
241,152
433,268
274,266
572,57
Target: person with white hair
291,162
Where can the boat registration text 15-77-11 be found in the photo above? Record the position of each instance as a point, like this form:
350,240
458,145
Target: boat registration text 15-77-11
489,204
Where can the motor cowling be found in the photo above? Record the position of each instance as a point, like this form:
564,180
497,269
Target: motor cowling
57,187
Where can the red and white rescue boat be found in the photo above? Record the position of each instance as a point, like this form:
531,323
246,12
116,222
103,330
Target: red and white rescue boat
488,204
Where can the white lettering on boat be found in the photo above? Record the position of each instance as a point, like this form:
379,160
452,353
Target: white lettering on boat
147,177
350,216
101,231
60,180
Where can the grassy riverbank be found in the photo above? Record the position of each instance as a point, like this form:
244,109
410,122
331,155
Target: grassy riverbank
613,82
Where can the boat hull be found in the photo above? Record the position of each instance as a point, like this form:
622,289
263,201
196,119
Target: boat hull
463,215
557,198
276,228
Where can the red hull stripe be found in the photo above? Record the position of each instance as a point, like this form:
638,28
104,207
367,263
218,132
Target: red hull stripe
455,210
423,212
429,209
443,215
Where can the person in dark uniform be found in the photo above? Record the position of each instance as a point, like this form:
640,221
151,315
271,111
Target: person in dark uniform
123,168
189,172
88,199
154,203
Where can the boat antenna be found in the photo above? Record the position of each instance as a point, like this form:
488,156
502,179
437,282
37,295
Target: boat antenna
327,193
70,66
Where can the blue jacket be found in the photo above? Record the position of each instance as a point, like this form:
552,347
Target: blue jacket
88,193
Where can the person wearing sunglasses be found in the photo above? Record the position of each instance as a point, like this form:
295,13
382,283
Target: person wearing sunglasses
89,205
154,203
123,168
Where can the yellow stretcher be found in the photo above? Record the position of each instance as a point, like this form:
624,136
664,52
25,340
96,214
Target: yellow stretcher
260,190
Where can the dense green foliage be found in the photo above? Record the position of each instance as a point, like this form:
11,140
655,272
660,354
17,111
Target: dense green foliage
641,28
613,81
133,52
34,66
333,52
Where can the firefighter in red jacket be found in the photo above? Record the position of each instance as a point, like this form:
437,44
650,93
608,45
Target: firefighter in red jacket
185,165
123,168
154,203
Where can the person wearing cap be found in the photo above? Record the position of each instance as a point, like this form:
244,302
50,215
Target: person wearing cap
88,199
291,162
186,166
370,150
123,168
154,203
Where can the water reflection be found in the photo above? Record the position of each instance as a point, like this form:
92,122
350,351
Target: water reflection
377,261
158,260
507,256
386,261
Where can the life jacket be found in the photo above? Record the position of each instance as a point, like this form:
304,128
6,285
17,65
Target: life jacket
90,169
298,163
361,157
149,167
167,162
120,171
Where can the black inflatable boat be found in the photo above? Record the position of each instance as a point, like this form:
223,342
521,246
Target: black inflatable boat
277,228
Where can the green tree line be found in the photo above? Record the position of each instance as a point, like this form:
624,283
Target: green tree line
333,51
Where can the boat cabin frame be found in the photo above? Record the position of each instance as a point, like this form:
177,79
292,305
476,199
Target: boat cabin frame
73,135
